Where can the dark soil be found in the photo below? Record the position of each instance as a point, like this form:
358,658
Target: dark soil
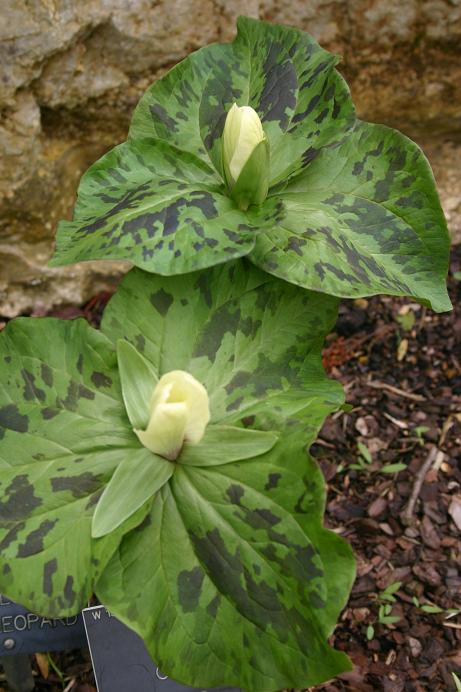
400,366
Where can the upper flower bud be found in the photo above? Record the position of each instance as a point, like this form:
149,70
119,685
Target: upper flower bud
179,412
242,133
245,154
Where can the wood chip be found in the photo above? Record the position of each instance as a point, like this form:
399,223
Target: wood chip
415,646
377,507
385,528
454,510
429,534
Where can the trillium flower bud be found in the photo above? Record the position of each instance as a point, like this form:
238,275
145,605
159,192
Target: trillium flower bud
242,133
245,155
179,412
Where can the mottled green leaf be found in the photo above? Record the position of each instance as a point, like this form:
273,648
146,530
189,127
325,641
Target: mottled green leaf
162,210
246,598
135,480
281,72
363,218
62,375
352,208
63,431
254,342
299,487
290,81
223,444
159,200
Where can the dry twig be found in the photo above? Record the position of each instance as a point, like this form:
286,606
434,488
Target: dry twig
395,390
453,625
407,514
70,685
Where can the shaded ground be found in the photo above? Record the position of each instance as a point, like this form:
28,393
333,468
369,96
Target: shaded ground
380,348
400,365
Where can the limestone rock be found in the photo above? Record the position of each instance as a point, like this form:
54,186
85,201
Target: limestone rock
19,142
71,73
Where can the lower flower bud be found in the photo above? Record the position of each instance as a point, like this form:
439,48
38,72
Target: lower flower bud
179,413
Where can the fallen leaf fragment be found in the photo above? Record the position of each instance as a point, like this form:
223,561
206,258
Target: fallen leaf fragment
43,665
402,350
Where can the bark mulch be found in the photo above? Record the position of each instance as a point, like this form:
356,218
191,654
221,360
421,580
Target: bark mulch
393,467
400,366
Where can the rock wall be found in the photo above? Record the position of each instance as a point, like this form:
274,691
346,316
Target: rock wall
71,72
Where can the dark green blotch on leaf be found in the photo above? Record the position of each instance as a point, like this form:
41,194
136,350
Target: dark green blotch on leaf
213,605
279,93
272,481
69,593
101,380
240,379
260,518
228,573
11,536
305,557
189,588
21,500
47,374
94,499
235,494
48,413
11,419
79,486
161,300
31,391
76,391
205,290
235,405
226,320
34,540
49,569
248,421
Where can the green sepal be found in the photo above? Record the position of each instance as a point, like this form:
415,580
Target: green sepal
253,182
223,444
138,379
135,480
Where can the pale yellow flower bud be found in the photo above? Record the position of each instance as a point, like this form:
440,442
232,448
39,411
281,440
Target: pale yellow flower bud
242,133
179,412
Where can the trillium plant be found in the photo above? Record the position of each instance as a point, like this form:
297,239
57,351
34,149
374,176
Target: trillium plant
161,462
